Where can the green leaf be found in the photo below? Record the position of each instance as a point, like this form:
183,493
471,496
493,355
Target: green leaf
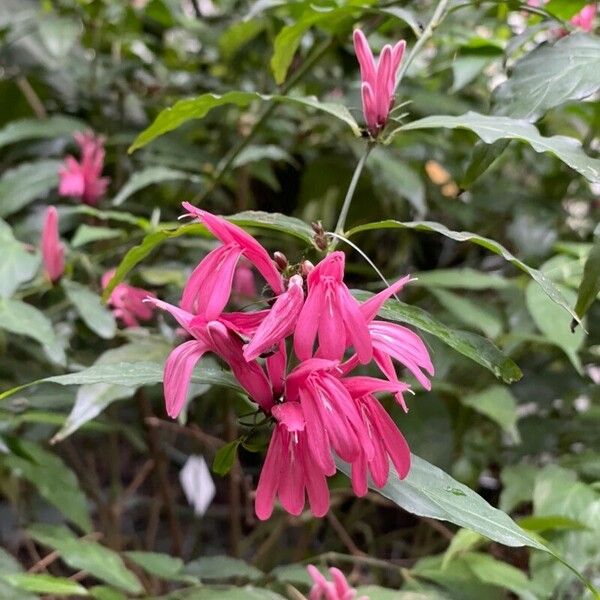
222,568
475,347
565,9
17,265
483,156
104,592
41,583
497,403
106,215
160,565
238,35
465,236
462,279
96,316
23,319
252,218
404,15
550,76
27,182
225,457
59,34
86,234
147,177
552,322
31,129
590,284
493,128
205,592
518,482
463,541
197,108
540,524
54,481
475,315
86,555
429,492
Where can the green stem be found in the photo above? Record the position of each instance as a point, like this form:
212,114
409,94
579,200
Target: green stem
229,159
341,223
438,16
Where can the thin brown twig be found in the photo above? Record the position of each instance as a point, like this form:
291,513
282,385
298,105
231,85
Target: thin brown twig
344,535
191,430
32,98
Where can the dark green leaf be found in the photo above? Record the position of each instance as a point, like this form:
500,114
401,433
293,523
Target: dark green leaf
31,129
225,457
590,284
222,568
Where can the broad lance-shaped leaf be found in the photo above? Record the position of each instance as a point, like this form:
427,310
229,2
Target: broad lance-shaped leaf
471,345
32,129
17,265
197,108
549,76
428,491
590,284
42,583
251,218
493,128
147,177
465,236
96,316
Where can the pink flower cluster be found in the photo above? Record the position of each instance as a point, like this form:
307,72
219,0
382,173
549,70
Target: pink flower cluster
378,80
83,179
337,589
320,409
128,302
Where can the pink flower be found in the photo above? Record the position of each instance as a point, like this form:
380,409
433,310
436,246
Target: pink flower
584,19
127,302
289,472
83,179
338,589
280,321
378,80
209,287
209,336
53,251
244,286
387,440
331,313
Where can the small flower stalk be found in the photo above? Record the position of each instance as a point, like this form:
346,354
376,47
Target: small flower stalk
296,360
378,80
83,179
53,251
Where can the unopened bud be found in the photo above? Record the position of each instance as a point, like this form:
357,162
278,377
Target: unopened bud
320,237
280,260
306,267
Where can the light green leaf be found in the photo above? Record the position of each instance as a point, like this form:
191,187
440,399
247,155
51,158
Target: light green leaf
497,403
590,284
475,315
86,234
160,565
429,492
251,218
59,34
463,541
96,316
104,592
206,592
550,76
86,555
475,347
240,33
17,265
41,583
27,182
222,568
197,108
540,524
493,128
552,322
565,9
404,15
23,319
148,176
518,482
553,292
31,129
54,481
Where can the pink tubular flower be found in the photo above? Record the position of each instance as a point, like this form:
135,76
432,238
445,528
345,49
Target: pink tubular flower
127,302
337,589
209,287
53,251
209,336
83,179
378,80
584,19
331,313
244,286
289,471
280,321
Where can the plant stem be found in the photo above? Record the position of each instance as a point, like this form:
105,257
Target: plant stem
341,223
438,16
229,159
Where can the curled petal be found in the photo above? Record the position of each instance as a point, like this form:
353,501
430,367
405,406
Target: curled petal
364,57
373,305
268,482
